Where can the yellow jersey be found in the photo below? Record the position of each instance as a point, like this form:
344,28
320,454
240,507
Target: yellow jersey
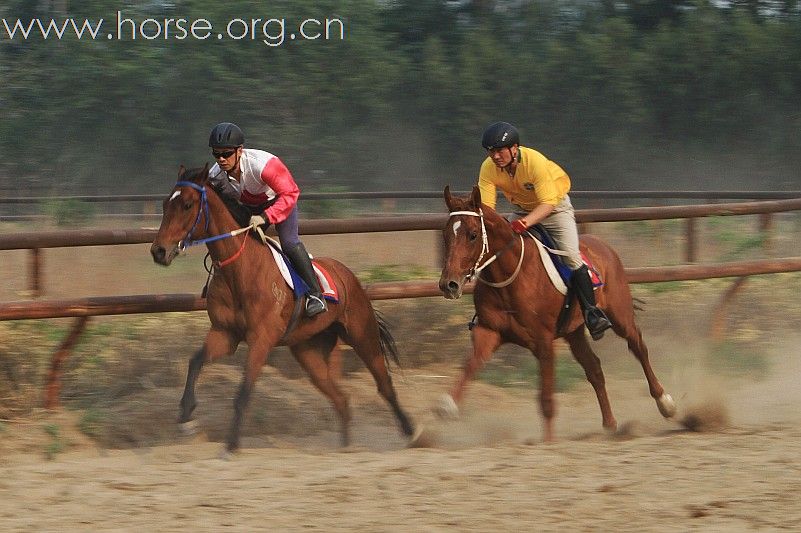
537,180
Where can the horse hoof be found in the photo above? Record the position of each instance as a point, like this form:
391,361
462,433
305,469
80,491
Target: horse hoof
188,428
667,407
226,455
421,439
446,408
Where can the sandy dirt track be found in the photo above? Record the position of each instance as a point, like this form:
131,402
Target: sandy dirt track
488,472
664,483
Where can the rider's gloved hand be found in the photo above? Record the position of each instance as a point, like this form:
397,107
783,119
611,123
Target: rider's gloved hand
256,221
518,226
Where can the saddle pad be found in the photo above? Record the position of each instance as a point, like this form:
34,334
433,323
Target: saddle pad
326,282
557,278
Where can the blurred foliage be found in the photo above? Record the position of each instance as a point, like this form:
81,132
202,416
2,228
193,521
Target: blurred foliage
57,443
526,374
328,208
734,357
665,286
91,422
384,273
616,91
69,212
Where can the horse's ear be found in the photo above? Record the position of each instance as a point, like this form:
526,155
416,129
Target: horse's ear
181,172
475,197
204,175
448,197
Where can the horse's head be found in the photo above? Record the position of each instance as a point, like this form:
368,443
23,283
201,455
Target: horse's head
465,242
183,211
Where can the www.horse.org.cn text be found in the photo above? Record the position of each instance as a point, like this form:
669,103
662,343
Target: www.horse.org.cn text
269,31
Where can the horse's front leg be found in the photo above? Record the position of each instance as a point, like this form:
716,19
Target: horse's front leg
218,343
258,350
545,353
485,342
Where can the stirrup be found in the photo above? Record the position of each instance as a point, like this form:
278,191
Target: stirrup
315,305
600,323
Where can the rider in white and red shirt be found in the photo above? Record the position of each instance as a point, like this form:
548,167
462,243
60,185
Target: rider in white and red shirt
257,184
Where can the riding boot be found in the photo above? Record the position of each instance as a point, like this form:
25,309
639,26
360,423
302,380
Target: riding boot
595,319
315,303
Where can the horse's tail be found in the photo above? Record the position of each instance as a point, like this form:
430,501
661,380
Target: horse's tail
388,346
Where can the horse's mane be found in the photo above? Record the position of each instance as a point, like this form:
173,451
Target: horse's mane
491,217
240,213
196,175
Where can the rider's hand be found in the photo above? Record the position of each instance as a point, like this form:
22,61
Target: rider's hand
518,226
256,221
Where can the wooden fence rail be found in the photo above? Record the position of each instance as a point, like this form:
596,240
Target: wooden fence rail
84,308
99,237
162,303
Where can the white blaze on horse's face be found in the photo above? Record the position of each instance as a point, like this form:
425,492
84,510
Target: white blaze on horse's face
175,195
456,226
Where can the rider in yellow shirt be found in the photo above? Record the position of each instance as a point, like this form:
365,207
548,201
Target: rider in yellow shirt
539,189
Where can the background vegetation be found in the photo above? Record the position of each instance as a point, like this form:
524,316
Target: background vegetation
625,94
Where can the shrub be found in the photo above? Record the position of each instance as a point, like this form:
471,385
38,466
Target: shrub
69,212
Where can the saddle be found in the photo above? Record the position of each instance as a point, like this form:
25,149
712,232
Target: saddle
552,260
290,275
293,279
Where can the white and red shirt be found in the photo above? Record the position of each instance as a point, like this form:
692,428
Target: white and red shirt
264,178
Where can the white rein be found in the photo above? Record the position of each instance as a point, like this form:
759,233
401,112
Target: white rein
478,267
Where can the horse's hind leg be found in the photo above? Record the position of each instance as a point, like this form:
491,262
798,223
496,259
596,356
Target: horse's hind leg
595,375
311,355
633,336
218,343
366,344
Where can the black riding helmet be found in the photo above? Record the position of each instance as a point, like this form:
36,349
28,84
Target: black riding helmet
226,135
499,135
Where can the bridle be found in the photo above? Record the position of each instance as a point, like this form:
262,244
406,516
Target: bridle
204,208
187,241
479,266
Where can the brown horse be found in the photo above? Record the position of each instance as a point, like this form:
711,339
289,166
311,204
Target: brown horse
249,300
523,305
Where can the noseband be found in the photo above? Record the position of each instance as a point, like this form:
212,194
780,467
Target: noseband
478,267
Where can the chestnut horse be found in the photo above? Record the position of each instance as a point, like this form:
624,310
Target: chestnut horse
516,302
249,300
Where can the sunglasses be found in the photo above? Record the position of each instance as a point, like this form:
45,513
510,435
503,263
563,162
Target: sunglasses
224,155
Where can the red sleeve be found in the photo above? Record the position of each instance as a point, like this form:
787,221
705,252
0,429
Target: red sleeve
279,179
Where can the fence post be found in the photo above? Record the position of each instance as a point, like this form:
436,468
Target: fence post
691,251
53,385
35,272
717,329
